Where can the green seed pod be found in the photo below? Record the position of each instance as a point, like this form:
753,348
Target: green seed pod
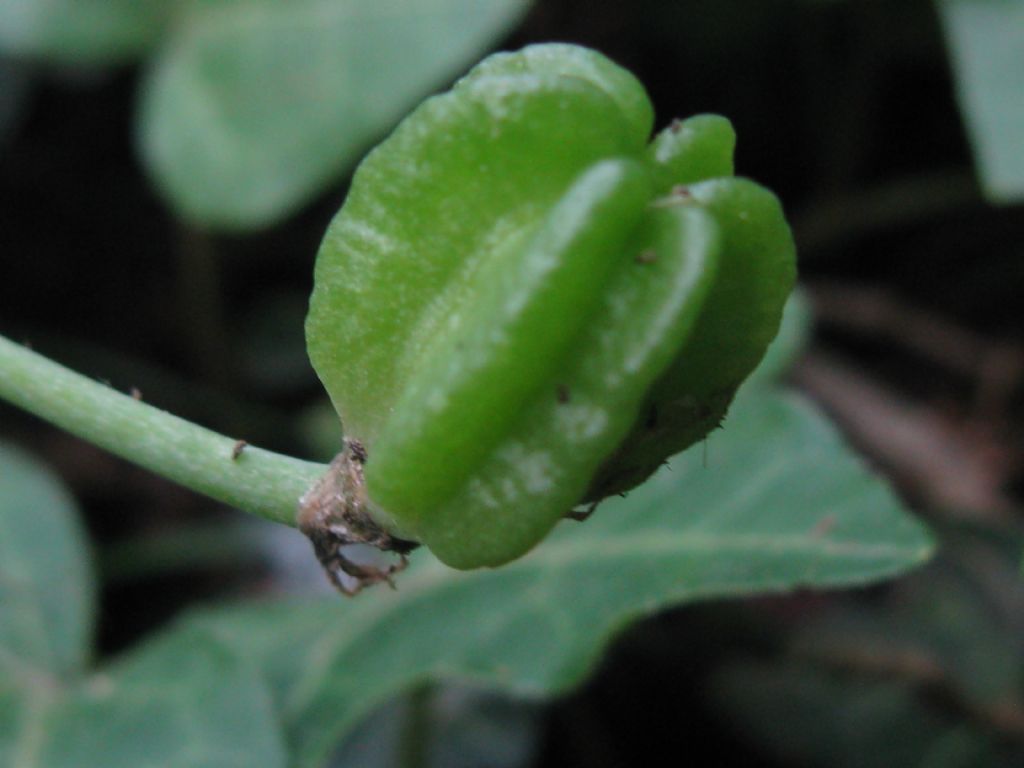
523,305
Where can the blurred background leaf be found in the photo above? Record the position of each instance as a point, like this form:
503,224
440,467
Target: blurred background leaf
47,600
181,702
47,594
808,717
80,31
252,108
986,39
932,676
445,726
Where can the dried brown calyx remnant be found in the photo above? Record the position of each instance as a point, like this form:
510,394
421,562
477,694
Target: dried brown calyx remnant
333,514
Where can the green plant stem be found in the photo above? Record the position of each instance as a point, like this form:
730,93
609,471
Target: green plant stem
256,481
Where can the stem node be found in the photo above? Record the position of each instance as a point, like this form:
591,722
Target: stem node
334,514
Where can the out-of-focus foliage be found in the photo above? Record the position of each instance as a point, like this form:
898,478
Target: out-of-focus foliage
83,31
47,595
185,699
466,727
249,108
986,39
932,676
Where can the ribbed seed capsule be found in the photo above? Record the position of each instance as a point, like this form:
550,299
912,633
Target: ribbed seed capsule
523,305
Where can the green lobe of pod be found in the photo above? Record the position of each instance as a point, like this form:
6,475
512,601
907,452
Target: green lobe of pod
700,147
757,271
563,60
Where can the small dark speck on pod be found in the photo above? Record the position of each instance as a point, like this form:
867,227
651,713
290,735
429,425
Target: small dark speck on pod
562,393
237,448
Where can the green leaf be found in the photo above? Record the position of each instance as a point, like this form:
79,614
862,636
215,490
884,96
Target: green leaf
986,38
82,31
47,594
22,715
47,598
253,107
183,702
454,726
186,700
778,504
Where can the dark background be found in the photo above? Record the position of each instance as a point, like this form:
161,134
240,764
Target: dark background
847,111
